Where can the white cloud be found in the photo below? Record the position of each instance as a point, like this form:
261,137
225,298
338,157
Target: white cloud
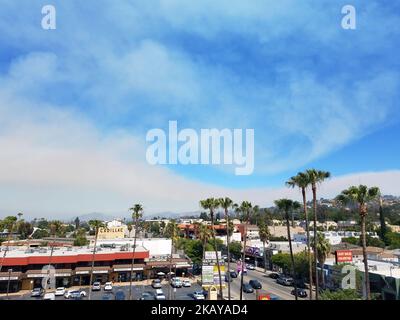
48,169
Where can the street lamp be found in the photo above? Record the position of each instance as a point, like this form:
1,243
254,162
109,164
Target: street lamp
8,283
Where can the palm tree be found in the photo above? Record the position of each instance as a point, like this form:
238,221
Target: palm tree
19,214
9,223
173,233
227,203
212,204
137,210
324,248
302,181
55,227
316,177
96,225
203,234
264,237
361,196
287,205
246,210
383,228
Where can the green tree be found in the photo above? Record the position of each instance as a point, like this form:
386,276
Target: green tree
324,248
287,205
212,204
264,237
80,238
9,224
235,248
341,294
155,228
316,177
361,196
24,229
137,213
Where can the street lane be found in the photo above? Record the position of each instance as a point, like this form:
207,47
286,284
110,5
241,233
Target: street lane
268,285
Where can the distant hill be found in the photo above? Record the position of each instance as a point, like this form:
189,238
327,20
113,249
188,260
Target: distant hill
96,216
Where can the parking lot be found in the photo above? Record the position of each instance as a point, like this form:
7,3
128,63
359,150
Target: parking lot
184,293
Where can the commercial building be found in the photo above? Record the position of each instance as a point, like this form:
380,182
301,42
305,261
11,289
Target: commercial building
25,267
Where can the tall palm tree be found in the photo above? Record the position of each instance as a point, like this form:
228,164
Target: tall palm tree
137,213
226,204
212,204
264,237
287,205
361,196
324,248
246,210
9,223
20,214
383,228
55,227
95,225
302,181
203,234
173,233
316,177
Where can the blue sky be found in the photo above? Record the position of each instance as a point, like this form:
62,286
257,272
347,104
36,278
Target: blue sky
315,94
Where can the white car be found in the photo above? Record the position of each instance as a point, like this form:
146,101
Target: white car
160,295
49,296
74,294
108,286
186,283
198,295
60,291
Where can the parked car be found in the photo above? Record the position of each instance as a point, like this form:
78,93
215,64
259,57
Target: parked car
255,284
156,284
74,294
96,286
247,288
147,296
120,295
49,296
108,286
37,292
250,266
300,293
285,281
176,283
233,274
160,295
274,275
186,283
198,295
60,291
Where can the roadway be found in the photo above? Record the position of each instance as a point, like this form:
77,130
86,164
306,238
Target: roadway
268,284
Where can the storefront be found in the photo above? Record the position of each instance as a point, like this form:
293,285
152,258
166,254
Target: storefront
121,273
82,275
10,281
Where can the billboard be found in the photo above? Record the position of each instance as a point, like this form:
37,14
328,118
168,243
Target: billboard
210,255
344,256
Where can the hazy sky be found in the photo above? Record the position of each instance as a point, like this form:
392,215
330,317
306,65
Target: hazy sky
76,102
